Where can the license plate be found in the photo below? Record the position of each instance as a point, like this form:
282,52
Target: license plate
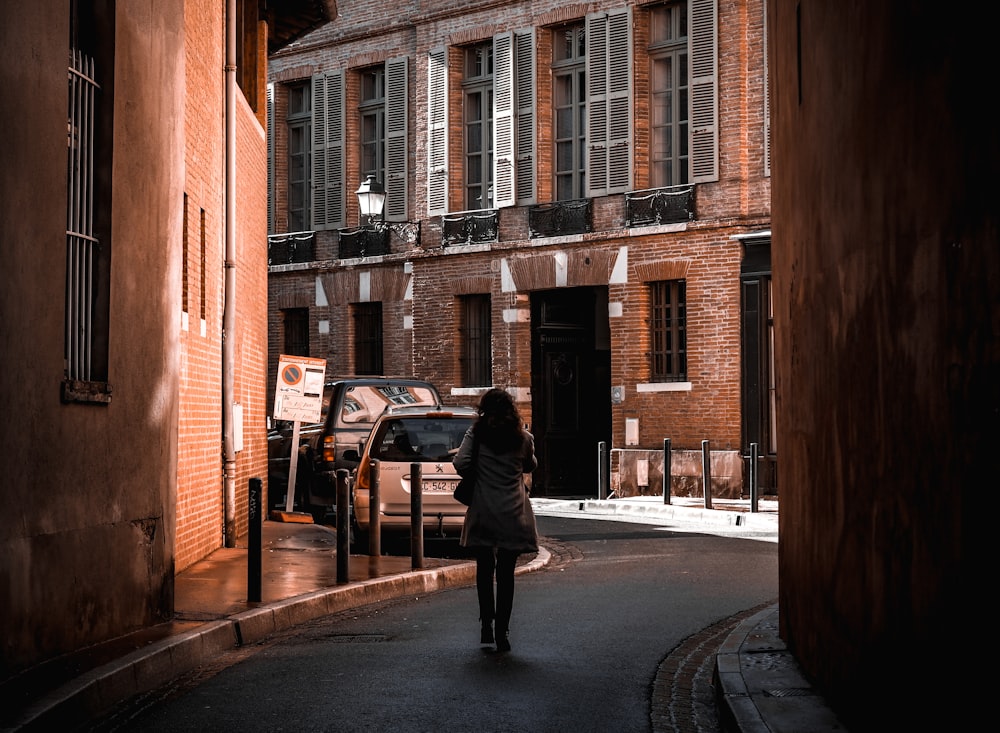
439,487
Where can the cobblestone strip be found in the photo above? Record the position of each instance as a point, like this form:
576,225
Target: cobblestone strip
683,697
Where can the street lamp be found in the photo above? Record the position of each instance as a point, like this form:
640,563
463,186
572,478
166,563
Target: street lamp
371,199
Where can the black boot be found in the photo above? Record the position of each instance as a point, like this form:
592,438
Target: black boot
486,637
503,642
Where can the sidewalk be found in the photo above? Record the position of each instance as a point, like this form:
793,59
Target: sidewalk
299,583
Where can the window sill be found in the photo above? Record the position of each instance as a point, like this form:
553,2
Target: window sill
74,390
663,387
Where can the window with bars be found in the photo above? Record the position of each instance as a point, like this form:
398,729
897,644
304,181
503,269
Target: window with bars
88,216
569,91
669,85
667,331
368,338
476,333
478,110
299,123
295,325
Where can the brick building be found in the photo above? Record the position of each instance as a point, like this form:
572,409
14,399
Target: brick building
134,333
577,209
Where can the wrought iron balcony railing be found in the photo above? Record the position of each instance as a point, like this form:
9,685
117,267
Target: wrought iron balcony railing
365,241
667,205
560,217
469,227
378,238
286,249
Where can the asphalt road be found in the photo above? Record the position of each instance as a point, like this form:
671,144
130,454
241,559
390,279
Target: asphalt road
618,633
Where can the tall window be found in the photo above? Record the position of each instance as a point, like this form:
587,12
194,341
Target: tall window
569,91
299,152
88,244
668,337
477,88
295,323
477,342
368,338
372,109
669,78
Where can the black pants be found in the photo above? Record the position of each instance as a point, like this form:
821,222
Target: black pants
490,561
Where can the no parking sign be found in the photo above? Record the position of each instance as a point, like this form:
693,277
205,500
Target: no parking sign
299,392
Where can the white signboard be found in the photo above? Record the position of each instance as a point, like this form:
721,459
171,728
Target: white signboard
299,392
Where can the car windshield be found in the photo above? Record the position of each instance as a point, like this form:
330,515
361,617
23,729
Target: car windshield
420,439
364,403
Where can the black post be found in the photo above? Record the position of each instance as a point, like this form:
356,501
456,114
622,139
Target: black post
667,469
753,477
416,517
706,472
602,471
343,528
254,542
374,518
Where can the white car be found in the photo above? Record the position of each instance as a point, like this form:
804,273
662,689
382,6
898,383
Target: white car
400,437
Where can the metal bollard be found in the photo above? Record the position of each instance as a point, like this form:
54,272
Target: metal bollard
254,540
753,477
374,518
667,477
706,472
343,528
416,517
602,471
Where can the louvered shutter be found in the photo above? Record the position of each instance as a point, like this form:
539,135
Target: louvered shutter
619,100
396,171
524,92
437,132
597,104
609,102
704,92
503,120
270,159
328,203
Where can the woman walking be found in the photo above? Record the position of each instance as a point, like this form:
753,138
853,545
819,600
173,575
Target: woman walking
499,523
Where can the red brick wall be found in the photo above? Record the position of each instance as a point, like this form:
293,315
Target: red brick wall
199,466
200,485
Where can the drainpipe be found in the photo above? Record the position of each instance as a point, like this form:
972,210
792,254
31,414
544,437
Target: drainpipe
229,310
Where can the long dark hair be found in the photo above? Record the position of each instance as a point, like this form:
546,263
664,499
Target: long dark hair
499,423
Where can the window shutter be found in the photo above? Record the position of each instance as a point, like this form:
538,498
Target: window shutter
619,100
597,104
704,92
328,151
609,102
437,132
396,170
270,158
503,120
524,90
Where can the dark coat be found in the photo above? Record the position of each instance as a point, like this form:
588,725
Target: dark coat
500,514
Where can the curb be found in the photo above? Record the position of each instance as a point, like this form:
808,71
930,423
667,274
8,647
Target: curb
94,693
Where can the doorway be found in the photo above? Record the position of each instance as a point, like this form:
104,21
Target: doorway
758,398
570,387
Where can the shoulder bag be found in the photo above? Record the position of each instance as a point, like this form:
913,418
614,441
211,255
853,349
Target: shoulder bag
467,484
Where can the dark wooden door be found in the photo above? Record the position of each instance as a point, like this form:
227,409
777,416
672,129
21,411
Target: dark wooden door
571,389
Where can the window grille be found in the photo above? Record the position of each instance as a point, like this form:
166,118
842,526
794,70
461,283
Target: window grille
477,341
368,338
82,246
296,326
668,335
